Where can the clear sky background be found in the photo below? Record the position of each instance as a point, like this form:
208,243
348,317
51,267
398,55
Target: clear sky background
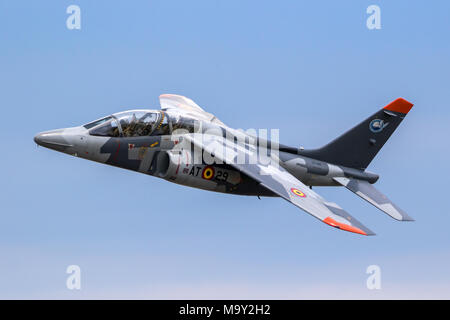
311,69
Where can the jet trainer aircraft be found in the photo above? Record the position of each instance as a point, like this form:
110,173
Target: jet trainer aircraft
184,144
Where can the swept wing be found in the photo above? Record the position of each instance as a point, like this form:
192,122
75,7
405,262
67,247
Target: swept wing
278,180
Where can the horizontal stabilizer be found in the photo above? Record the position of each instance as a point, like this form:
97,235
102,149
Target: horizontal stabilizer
368,192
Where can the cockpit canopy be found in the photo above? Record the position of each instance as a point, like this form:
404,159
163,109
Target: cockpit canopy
137,123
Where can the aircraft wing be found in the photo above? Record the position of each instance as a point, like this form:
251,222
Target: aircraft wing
278,180
187,106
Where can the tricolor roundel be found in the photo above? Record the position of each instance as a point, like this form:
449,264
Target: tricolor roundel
298,192
208,173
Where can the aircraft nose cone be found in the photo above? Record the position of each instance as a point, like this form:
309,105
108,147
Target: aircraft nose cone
38,139
52,139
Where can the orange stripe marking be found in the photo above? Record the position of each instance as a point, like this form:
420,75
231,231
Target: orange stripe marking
330,221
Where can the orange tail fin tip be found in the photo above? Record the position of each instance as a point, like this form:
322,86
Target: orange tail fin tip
399,105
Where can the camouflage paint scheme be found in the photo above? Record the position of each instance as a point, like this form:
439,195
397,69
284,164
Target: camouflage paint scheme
153,144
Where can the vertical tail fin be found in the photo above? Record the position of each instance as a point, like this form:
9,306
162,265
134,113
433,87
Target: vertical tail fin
357,147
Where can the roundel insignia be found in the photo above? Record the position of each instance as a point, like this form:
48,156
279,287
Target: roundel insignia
298,192
208,173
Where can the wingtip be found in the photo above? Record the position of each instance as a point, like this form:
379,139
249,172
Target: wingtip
342,226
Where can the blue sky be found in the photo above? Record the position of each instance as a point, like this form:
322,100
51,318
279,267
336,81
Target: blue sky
311,69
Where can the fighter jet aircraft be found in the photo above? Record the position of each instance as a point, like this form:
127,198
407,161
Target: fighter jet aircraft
184,144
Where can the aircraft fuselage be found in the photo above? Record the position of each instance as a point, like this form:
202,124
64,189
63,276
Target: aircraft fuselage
158,156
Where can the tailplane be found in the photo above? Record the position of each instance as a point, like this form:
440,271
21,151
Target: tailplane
369,193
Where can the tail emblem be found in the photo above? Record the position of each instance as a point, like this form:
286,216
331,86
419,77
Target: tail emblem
377,125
